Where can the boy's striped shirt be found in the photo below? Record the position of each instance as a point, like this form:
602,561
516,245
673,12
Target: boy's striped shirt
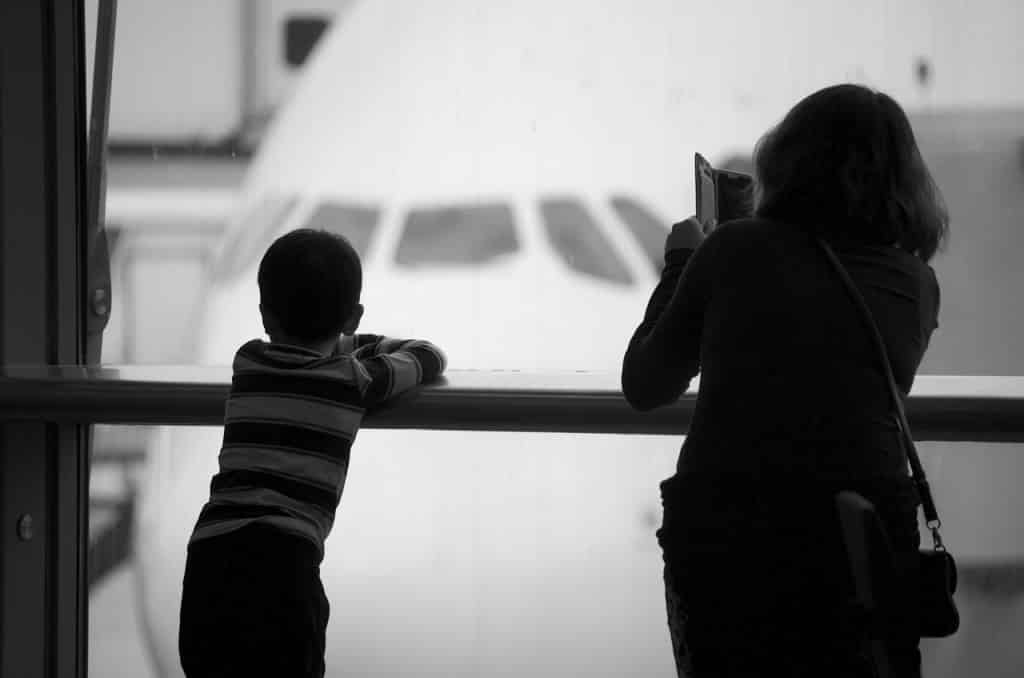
289,424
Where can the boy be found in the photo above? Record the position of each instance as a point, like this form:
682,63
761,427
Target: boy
253,603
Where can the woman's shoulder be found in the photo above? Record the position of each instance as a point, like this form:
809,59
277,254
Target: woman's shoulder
892,254
757,229
758,237
898,264
759,232
750,225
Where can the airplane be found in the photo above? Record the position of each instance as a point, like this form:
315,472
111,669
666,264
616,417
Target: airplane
508,173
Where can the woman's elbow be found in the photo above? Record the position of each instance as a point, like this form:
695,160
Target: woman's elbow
640,403
643,395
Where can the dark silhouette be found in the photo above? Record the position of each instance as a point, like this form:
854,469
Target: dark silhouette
793,406
253,603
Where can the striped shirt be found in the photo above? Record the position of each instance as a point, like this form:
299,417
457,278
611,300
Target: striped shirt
289,424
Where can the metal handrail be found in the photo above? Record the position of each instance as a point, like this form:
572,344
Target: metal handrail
949,408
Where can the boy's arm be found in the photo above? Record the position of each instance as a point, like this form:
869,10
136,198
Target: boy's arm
395,365
348,343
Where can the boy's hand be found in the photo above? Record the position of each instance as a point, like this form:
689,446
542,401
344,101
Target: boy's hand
686,234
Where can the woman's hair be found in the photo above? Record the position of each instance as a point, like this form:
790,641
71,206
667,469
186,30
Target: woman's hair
844,163
310,280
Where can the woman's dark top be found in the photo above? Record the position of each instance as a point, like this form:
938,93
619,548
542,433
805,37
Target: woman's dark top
790,381
792,407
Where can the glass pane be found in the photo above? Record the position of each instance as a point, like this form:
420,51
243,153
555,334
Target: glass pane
119,645
649,231
417,108
456,236
203,139
579,242
491,554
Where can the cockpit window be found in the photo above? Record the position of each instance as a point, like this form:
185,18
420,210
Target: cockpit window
648,229
356,223
580,242
253,234
456,236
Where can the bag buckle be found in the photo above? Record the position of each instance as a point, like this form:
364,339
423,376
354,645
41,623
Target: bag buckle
934,526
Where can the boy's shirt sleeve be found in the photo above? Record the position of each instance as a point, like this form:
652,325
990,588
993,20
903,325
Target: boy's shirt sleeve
391,366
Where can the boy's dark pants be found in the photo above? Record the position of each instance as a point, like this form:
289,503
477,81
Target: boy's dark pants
253,605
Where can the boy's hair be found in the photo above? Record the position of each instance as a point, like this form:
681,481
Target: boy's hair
310,281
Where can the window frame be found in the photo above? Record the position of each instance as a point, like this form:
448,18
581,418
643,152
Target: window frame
45,409
45,310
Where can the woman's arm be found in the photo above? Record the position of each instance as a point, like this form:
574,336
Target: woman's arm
663,355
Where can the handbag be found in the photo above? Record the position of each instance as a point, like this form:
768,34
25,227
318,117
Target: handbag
937,614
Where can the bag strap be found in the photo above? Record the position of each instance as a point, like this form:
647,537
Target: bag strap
931,515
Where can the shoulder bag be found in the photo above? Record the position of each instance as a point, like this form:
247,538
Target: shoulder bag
936,576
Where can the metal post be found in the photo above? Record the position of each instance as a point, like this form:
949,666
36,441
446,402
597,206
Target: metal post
98,267
43,466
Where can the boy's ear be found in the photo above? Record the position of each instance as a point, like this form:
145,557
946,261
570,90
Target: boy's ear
270,325
352,324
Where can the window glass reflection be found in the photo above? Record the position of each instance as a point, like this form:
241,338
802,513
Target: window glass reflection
579,242
355,223
456,236
650,232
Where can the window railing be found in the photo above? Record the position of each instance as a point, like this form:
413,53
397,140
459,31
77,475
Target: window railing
949,408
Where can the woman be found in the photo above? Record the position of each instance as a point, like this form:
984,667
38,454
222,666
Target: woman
793,405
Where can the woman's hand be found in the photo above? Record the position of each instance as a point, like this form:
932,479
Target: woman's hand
686,234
